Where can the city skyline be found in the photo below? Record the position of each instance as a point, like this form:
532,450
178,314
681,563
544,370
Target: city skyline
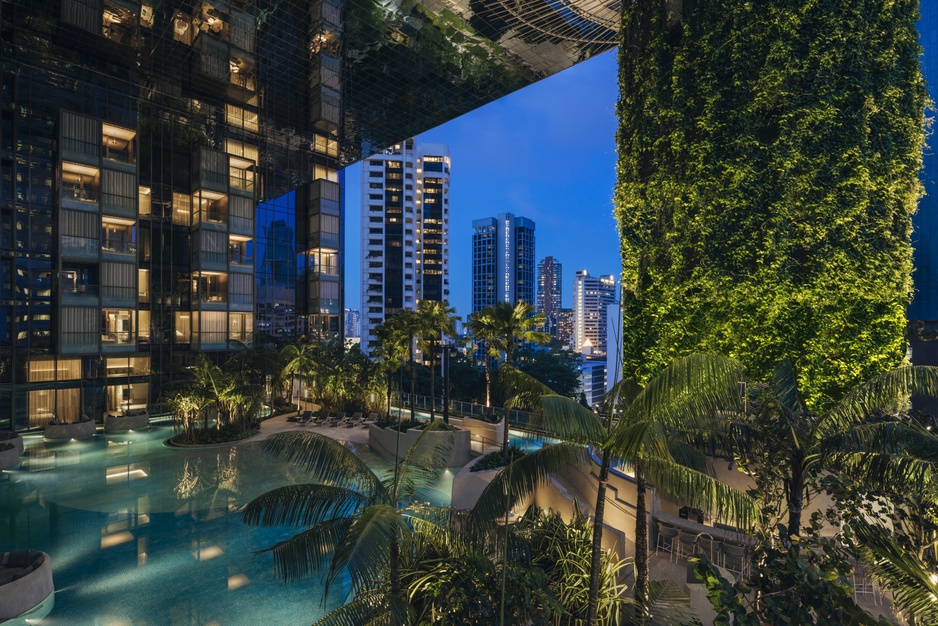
569,197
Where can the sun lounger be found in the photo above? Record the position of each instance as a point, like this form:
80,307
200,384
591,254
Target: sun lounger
355,420
371,419
340,416
307,416
322,418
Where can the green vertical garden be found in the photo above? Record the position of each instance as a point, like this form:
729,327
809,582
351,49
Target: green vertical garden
768,162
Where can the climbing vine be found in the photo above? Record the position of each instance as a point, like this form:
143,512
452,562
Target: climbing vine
768,168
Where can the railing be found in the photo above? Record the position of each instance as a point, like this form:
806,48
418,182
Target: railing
516,419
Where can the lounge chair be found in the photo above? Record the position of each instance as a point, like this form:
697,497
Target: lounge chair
307,416
340,416
355,420
322,418
371,419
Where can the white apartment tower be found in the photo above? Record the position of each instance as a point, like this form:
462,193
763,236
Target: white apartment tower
405,231
591,297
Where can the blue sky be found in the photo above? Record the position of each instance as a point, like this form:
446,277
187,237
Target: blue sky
546,152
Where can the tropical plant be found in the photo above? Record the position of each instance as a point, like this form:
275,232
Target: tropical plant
499,328
789,447
355,521
398,336
299,361
435,320
806,580
646,440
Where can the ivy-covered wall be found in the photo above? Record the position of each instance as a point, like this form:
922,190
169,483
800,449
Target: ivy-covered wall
768,161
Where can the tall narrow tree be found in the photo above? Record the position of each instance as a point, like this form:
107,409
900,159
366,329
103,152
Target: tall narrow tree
435,320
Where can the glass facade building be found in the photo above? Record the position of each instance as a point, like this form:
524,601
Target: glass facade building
502,261
170,170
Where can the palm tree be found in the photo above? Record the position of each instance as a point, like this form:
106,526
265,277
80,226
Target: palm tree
355,521
391,355
399,336
500,327
436,320
299,360
645,440
802,444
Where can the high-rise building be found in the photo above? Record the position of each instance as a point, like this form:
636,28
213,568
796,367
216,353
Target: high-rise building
170,171
565,327
502,260
405,231
549,292
352,321
591,297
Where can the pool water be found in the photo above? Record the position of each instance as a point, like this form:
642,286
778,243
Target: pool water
144,534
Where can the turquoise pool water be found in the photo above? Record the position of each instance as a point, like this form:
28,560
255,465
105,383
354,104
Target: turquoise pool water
143,534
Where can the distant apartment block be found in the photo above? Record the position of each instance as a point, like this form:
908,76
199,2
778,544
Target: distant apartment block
352,323
502,260
549,292
591,296
565,327
405,231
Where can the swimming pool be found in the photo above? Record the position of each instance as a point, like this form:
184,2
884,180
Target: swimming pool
144,534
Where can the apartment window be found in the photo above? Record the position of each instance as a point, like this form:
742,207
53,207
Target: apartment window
48,370
117,327
80,185
326,145
241,118
118,235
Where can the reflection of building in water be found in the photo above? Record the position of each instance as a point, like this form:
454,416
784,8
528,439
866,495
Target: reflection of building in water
147,148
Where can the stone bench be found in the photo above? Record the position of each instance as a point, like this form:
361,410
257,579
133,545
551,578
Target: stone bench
65,432
129,420
9,456
8,436
26,587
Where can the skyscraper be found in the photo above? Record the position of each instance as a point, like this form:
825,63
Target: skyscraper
502,260
352,320
156,156
591,297
549,292
405,224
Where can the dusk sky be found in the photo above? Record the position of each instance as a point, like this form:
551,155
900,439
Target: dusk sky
546,153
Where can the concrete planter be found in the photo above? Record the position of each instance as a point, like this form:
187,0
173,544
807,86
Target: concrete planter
486,432
119,423
64,432
8,436
384,442
27,593
468,485
9,457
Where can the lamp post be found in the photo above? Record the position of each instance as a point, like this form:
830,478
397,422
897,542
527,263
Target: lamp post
446,352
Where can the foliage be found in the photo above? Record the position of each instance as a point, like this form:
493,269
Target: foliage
793,580
558,369
224,434
494,460
435,321
352,520
768,169
563,550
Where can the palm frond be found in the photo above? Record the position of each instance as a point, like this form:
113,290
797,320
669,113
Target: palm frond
302,505
566,419
365,550
325,459
688,456
521,478
424,461
914,590
370,609
629,442
701,490
786,392
309,551
695,385
522,390
886,392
